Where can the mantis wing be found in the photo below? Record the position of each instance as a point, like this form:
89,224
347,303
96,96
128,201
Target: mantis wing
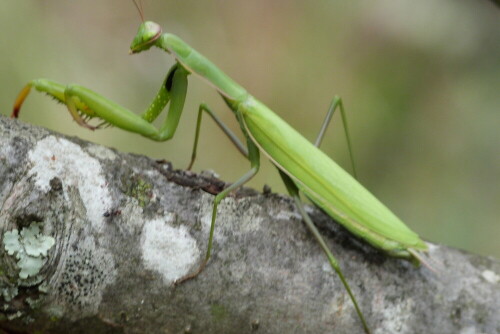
326,183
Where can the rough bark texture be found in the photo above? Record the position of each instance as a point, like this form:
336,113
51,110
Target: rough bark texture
125,227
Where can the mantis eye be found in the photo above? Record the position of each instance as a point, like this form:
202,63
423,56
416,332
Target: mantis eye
146,36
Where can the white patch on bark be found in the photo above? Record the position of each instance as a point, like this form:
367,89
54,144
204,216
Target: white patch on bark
469,330
168,250
101,152
396,317
56,157
490,276
287,215
229,208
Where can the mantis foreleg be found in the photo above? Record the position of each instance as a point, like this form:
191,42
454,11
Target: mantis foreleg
162,97
83,103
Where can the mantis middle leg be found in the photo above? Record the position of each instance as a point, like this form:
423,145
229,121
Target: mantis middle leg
254,157
337,102
234,139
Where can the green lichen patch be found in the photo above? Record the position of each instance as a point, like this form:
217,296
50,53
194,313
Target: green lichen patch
34,303
218,311
9,293
30,248
140,190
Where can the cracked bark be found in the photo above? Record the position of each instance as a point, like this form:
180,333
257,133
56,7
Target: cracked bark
266,274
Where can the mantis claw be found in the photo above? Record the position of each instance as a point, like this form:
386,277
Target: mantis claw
82,121
19,101
84,124
192,275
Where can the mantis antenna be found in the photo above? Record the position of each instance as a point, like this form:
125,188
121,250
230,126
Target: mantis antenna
139,9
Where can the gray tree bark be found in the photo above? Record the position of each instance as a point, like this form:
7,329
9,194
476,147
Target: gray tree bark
93,239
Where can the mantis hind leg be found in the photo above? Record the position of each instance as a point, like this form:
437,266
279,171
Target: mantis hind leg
254,157
234,139
337,102
294,192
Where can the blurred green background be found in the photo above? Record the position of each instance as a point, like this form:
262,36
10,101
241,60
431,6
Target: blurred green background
420,81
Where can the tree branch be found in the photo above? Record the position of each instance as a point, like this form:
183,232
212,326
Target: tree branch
102,235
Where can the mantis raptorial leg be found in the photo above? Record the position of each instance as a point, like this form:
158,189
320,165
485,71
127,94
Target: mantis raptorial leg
83,102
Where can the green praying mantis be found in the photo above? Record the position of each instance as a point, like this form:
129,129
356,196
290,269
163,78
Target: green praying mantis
303,167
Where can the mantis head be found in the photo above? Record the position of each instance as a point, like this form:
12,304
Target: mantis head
146,37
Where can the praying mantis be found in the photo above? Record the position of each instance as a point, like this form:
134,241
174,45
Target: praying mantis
303,167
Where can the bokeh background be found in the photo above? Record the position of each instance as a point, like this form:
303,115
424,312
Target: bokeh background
420,81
